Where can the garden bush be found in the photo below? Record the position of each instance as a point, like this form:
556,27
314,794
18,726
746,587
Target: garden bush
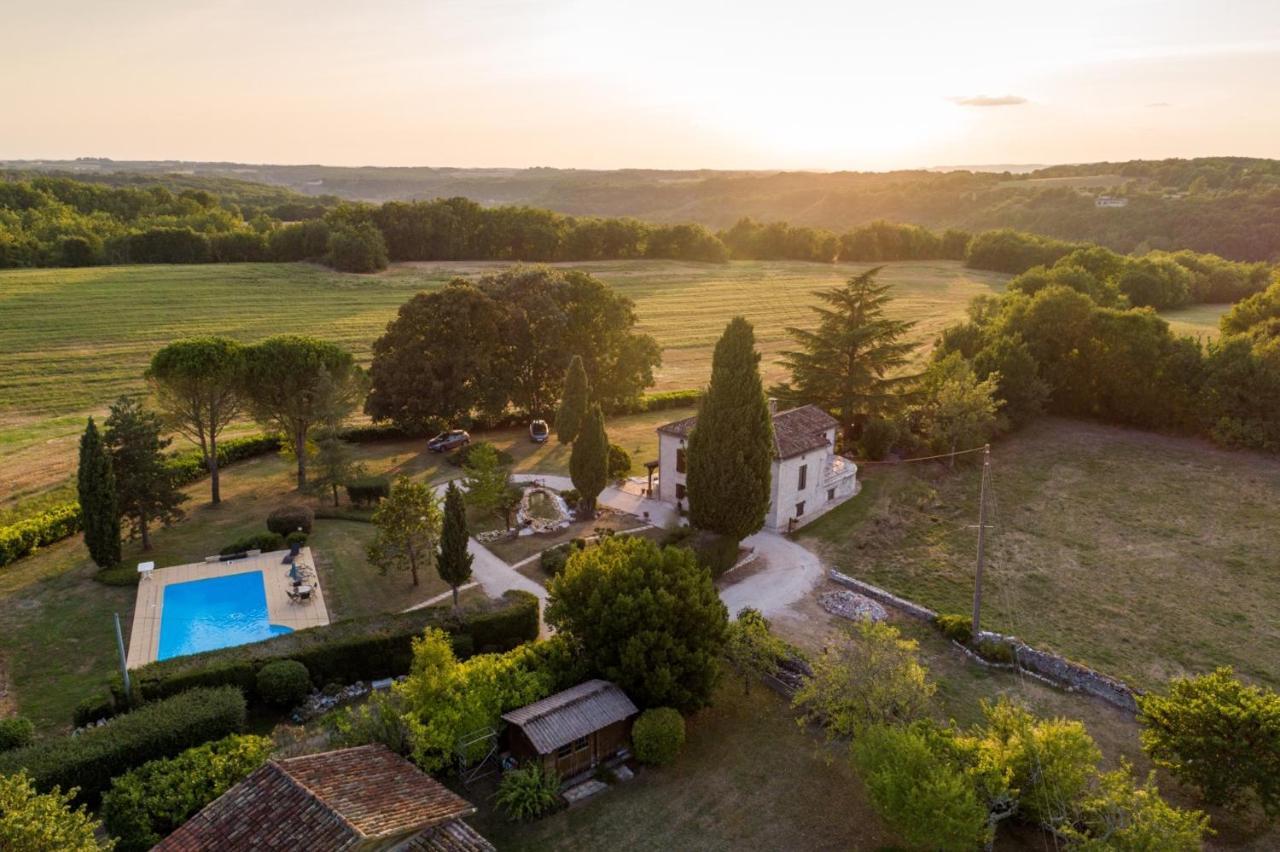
188,466
283,683
527,793
619,462
658,736
365,648
266,542
295,537
290,518
162,729
146,804
368,490
458,458
571,496
717,553
958,628
996,651
16,732
878,437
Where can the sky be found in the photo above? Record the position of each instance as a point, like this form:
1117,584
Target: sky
786,84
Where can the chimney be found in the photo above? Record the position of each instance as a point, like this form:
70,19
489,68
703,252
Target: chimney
773,407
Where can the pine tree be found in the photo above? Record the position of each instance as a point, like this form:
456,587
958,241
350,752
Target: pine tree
589,460
453,562
848,364
99,512
144,486
730,452
573,402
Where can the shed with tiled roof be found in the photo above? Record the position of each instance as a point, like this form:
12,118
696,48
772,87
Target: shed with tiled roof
364,798
574,730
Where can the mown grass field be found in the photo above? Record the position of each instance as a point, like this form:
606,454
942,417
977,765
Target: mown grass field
1142,555
72,340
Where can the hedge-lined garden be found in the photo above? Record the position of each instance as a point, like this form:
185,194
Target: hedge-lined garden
162,729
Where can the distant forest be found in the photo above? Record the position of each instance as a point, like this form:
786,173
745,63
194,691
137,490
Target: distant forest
59,221
1228,206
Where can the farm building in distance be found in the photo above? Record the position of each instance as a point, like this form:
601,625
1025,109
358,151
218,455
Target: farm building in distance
575,730
808,477
1110,201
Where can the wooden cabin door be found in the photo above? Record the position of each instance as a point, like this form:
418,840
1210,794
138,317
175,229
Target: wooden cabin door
574,758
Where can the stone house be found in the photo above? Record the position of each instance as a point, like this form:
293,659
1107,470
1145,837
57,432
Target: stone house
809,479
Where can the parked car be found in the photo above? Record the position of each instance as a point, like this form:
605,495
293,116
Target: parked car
450,440
539,431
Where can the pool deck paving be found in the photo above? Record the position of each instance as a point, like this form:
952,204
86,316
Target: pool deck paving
144,637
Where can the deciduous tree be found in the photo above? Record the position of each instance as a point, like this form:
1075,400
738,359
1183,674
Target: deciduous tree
956,411
751,647
198,383
730,452
44,822
647,618
487,480
453,561
852,364
145,493
1218,735
99,509
408,526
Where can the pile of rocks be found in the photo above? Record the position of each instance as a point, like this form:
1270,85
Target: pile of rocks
852,606
322,701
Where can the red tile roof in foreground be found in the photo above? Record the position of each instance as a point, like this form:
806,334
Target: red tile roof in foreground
335,800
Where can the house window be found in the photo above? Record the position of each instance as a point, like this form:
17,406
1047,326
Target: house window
804,477
564,750
679,490
800,508
580,744
831,494
680,460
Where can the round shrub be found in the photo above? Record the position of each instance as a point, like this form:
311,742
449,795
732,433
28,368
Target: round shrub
290,518
619,462
571,496
16,732
295,537
658,736
552,560
94,707
284,683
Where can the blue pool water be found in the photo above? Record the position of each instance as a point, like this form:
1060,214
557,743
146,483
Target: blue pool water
216,613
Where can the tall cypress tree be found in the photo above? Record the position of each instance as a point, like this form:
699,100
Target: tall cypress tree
453,562
573,402
589,460
730,452
99,512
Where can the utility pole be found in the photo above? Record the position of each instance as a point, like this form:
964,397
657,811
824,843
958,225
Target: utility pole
982,538
124,662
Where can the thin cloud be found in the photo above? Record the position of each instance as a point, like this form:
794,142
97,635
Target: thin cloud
989,100
1159,104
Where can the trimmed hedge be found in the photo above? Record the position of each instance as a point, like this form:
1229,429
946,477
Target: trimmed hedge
266,542
188,466
367,491
163,729
18,540
667,399
366,648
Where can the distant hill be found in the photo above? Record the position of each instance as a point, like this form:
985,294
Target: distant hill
1225,205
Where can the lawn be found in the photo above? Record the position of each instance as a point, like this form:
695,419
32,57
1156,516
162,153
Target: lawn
75,339
56,637
749,778
1142,555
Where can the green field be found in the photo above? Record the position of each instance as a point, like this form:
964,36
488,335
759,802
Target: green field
72,340
1142,555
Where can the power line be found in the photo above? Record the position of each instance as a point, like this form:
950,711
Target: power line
949,455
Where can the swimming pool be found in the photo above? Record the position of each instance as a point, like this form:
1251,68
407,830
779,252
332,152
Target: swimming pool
219,612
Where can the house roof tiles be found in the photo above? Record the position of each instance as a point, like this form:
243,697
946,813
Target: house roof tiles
795,431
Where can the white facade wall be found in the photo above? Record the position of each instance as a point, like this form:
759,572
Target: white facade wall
785,493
